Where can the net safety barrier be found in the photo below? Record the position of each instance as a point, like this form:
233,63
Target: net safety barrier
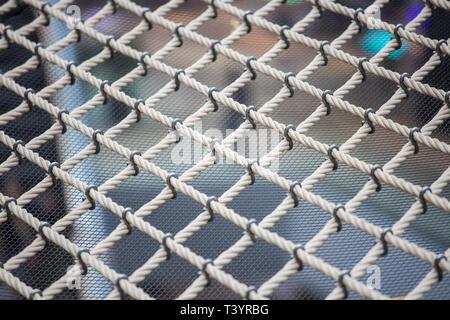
128,285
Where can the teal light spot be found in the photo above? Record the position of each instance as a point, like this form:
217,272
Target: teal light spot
374,40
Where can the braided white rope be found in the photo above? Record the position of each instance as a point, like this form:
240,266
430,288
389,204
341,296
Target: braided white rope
137,222
234,156
156,234
336,53
364,18
73,249
426,284
208,160
8,6
439,3
444,113
35,24
121,230
228,196
277,74
287,204
27,254
38,244
10,85
27,197
65,80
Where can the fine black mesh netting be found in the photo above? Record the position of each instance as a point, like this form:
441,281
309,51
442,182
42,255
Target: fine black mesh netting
400,272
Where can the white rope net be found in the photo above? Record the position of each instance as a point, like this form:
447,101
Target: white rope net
129,224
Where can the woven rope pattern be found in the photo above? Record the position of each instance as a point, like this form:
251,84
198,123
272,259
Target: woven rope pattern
299,134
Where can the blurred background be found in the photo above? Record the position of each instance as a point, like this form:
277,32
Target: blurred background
399,271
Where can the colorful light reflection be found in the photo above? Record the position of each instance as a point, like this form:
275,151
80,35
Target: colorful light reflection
374,40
